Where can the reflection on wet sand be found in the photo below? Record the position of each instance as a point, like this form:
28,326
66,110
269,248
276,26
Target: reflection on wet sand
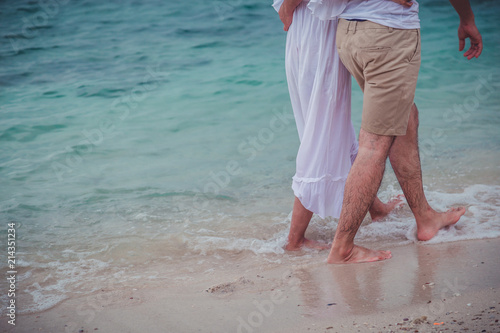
416,275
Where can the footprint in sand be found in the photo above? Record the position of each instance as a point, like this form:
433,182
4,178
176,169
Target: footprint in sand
228,287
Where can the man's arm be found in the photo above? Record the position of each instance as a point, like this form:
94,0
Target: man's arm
286,12
467,29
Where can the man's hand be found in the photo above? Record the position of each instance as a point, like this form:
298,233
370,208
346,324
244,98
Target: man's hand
406,3
469,30
286,12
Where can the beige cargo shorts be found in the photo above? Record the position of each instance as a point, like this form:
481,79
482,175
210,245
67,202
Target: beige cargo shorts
385,62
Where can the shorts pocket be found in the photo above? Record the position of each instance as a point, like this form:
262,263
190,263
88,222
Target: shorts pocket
416,50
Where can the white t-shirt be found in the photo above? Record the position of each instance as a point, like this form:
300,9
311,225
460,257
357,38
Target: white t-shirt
323,9
383,12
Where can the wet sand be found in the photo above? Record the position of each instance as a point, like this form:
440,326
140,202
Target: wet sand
451,287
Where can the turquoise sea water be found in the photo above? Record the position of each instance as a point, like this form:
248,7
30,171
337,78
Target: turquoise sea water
136,136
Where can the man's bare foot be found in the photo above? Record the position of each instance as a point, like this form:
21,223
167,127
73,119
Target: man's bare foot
380,210
430,226
358,254
307,243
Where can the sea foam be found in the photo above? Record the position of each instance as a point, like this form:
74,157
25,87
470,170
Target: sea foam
481,221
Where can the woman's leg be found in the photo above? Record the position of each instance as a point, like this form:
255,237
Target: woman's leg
300,220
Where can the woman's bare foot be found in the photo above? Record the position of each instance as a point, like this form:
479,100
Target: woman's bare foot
308,243
379,210
357,254
428,227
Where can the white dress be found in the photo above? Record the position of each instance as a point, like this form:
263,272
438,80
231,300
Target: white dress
320,93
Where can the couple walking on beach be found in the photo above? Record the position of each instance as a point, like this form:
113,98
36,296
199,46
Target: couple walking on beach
378,43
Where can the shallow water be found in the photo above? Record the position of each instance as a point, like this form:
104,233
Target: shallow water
136,145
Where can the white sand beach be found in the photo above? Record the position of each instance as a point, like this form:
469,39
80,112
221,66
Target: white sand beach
451,287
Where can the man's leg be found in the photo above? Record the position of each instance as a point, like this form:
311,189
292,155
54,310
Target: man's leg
405,161
378,210
301,217
361,188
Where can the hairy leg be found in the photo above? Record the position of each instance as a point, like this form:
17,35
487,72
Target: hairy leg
405,161
296,237
360,191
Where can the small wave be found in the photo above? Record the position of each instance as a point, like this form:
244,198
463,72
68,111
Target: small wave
207,244
250,82
23,133
210,32
33,9
14,79
30,50
53,94
53,281
106,93
482,221
193,63
16,36
209,45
